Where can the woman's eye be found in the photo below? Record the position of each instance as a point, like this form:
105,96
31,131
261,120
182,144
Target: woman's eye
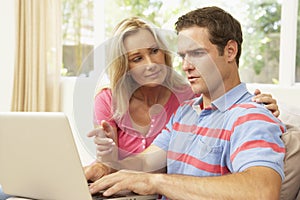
154,50
136,59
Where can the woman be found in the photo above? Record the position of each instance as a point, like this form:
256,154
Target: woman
144,91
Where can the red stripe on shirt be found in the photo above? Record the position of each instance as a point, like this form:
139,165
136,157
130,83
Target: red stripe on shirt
257,144
215,133
255,116
218,169
247,106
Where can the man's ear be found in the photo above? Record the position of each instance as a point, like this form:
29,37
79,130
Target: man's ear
231,50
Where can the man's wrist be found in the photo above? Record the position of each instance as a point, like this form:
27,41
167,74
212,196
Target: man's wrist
107,168
155,182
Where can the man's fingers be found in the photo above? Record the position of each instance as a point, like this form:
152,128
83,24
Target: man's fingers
106,182
87,172
91,173
113,189
95,171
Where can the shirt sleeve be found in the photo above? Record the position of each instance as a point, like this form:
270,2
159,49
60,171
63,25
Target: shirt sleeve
256,141
103,107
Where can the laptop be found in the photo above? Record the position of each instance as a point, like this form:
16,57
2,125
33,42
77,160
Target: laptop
39,159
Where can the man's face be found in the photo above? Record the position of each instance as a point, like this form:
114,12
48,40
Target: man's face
201,61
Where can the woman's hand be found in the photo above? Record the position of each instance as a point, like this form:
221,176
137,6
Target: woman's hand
267,99
104,138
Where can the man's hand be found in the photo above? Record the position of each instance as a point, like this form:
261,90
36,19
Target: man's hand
95,171
267,99
138,182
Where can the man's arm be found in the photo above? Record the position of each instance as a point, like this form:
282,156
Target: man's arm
153,159
253,183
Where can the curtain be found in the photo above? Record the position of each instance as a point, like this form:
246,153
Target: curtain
38,56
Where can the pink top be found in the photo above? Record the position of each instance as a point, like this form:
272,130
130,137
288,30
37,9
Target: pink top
130,140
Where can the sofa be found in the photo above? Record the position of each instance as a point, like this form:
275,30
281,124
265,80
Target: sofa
290,189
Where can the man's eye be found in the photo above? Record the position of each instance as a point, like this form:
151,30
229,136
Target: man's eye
197,53
182,56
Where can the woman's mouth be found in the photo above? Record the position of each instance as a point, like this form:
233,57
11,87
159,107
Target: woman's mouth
153,75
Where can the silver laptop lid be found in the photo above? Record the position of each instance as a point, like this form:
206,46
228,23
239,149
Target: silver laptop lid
38,157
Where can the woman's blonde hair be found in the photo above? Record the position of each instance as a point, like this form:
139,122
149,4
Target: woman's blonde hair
121,83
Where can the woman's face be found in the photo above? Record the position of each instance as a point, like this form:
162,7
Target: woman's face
146,61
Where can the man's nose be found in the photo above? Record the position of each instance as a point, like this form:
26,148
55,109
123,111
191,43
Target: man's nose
186,64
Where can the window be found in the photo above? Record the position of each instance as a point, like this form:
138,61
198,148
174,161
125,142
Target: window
262,60
260,21
261,30
78,36
298,47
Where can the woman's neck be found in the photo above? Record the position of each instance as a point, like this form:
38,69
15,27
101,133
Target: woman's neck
152,95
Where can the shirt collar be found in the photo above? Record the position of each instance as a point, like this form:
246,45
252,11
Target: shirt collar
198,105
224,102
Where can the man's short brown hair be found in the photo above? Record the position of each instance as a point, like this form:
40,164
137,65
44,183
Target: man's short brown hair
221,26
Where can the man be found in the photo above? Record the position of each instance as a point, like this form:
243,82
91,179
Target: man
218,146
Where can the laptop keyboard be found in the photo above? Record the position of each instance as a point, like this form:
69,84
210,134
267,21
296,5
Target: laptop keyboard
99,196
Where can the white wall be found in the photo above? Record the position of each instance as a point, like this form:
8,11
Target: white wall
81,118
7,41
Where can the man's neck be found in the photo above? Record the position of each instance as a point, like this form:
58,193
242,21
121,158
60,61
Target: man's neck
209,98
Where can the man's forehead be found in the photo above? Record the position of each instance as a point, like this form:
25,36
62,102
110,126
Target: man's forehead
187,43
193,38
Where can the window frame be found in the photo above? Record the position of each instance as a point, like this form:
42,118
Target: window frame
288,43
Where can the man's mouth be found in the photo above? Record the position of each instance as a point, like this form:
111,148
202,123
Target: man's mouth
192,78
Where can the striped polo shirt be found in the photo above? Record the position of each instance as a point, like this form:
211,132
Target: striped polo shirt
230,136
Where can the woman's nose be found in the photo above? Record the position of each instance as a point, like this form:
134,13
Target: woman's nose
148,59
150,64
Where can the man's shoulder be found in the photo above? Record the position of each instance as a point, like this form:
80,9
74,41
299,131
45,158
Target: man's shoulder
252,111
247,106
250,108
